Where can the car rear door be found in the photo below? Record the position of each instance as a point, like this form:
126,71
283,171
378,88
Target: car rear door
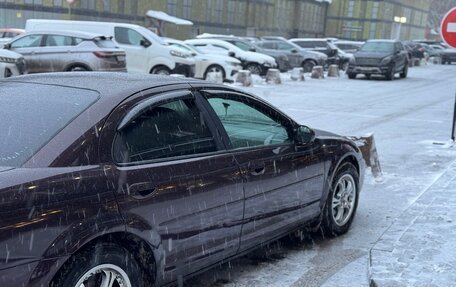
283,184
176,183
57,53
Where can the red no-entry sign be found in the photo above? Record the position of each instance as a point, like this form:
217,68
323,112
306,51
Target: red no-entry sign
448,28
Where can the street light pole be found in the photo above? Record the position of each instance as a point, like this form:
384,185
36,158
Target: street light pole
398,21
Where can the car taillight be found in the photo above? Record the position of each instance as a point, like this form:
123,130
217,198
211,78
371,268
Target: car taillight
103,54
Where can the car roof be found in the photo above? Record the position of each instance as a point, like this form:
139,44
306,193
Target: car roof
111,85
383,40
79,34
309,39
16,30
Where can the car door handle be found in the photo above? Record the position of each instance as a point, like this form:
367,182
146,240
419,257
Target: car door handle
142,190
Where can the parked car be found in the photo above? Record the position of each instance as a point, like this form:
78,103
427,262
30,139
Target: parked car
6,34
379,57
256,63
185,62
348,46
320,45
448,56
11,64
146,52
430,51
416,50
281,58
47,51
297,56
115,179
206,62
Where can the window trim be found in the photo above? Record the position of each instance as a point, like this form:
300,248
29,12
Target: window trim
153,99
289,124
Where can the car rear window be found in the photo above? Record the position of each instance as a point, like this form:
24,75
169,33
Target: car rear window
105,43
32,114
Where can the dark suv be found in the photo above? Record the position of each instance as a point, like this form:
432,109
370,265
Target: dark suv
381,57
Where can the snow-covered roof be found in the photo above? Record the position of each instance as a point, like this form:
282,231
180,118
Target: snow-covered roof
329,1
160,15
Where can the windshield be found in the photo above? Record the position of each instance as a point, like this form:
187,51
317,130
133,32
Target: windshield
31,114
377,47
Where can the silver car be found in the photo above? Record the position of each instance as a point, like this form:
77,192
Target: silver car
11,64
68,51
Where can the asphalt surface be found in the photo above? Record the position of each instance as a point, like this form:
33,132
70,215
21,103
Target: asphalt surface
397,213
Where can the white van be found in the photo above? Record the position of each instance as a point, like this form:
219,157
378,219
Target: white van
145,51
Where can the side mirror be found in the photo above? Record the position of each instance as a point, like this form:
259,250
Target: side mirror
304,135
7,46
193,54
231,54
294,51
252,49
145,43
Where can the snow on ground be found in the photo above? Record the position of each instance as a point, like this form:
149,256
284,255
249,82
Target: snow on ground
408,117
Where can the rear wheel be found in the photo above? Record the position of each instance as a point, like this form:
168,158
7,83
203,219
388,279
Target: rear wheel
351,75
308,66
78,68
102,265
254,68
214,69
342,201
160,70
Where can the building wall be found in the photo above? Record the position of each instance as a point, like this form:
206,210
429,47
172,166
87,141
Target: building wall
368,19
289,18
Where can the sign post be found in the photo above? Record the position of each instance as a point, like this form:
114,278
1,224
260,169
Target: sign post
453,130
448,28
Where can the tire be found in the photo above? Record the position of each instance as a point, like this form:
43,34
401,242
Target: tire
336,221
78,68
216,69
254,68
351,75
160,70
404,72
308,66
390,75
99,264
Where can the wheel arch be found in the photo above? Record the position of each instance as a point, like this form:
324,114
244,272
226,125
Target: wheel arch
141,250
77,64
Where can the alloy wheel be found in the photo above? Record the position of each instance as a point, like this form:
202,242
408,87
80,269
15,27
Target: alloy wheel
344,199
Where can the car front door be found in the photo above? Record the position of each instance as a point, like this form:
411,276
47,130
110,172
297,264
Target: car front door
175,182
283,183
29,47
294,55
133,44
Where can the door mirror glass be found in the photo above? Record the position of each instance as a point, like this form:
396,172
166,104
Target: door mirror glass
145,43
304,135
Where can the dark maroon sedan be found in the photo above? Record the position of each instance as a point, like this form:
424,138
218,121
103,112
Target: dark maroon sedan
124,180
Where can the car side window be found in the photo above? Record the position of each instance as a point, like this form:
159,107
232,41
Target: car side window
306,44
284,46
247,125
27,42
171,129
127,36
58,40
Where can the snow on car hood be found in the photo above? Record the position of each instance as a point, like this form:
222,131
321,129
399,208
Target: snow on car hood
258,57
378,55
217,58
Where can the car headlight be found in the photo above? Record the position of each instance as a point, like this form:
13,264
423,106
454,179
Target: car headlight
386,60
7,60
323,57
178,54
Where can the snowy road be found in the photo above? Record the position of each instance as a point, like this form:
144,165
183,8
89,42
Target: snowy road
407,117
